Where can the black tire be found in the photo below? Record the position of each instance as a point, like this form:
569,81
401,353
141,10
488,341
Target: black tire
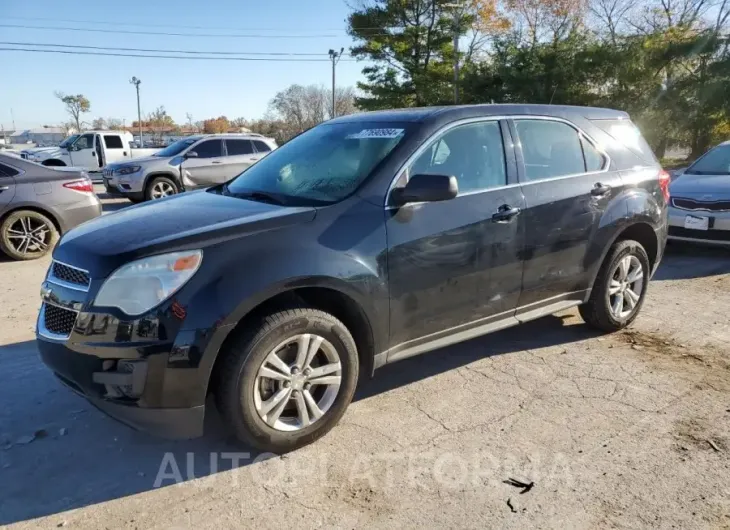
15,222
156,181
597,310
237,371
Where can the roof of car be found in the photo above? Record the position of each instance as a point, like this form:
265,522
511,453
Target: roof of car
420,114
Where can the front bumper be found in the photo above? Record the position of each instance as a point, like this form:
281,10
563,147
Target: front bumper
76,371
718,232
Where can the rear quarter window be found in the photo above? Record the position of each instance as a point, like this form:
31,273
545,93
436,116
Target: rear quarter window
7,171
628,135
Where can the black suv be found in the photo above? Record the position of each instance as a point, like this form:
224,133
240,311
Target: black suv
363,241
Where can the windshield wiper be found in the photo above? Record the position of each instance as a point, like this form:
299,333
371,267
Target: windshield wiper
259,196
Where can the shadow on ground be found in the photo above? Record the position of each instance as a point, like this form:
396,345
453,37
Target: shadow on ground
685,261
97,460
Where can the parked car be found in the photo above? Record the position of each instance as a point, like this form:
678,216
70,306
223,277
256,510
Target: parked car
699,211
38,204
91,151
190,163
365,240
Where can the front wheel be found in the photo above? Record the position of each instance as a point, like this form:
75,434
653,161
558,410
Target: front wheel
160,187
287,381
620,287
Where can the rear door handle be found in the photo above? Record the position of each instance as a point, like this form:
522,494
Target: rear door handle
505,214
3,188
216,162
600,190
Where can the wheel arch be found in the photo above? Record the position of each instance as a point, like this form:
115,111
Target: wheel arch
53,162
34,208
167,174
325,296
640,231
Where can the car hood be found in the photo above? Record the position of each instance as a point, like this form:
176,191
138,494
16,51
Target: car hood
190,220
688,185
140,160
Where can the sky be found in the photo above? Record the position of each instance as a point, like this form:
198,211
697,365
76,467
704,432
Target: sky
203,88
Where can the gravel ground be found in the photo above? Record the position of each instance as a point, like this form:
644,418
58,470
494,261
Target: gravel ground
629,430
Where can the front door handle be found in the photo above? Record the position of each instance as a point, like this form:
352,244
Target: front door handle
599,190
505,214
216,162
3,188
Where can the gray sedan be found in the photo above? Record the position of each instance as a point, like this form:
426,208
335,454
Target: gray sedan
699,209
38,204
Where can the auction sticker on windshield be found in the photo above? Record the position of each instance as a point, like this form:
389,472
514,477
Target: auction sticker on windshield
696,222
376,133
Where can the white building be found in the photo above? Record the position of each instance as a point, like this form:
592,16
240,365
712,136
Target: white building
41,136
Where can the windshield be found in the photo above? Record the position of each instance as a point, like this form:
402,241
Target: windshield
714,162
323,165
176,148
68,141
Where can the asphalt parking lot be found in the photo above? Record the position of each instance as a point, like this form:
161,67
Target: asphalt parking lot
629,430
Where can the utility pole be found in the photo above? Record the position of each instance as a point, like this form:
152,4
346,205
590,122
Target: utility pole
457,28
12,116
335,58
136,82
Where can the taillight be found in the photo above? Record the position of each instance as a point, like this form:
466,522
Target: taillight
664,181
82,185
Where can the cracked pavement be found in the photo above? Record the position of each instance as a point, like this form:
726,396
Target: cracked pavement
626,430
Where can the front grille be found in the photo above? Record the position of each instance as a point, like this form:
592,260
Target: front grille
691,204
707,235
107,173
59,320
70,274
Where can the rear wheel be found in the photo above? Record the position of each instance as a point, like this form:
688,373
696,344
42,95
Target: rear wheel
287,381
620,287
160,187
27,234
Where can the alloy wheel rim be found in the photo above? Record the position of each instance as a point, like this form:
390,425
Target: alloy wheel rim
29,235
625,286
162,189
297,383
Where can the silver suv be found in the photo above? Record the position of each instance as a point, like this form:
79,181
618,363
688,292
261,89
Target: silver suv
190,163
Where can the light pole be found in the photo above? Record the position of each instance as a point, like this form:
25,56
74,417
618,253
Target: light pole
136,82
335,58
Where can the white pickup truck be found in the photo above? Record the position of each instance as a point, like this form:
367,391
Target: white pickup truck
91,150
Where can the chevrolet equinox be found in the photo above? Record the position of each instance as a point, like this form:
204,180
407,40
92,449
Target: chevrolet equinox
365,240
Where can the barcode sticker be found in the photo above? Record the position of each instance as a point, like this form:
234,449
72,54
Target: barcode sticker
376,133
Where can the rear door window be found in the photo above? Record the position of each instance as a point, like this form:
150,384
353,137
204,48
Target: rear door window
550,149
239,147
112,141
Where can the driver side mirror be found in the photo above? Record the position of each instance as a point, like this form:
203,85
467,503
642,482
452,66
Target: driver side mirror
191,154
426,188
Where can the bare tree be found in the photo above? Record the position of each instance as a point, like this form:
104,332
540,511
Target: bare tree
659,15
99,124
75,106
611,15
344,102
114,124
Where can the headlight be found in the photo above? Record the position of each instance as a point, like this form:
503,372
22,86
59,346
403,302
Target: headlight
126,170
141,285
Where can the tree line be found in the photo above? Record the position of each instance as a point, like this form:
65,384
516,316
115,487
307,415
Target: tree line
291,111
666,62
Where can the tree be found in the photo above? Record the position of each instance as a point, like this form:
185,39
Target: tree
115,124
99,124
216,125
75,106
239,123
159,121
